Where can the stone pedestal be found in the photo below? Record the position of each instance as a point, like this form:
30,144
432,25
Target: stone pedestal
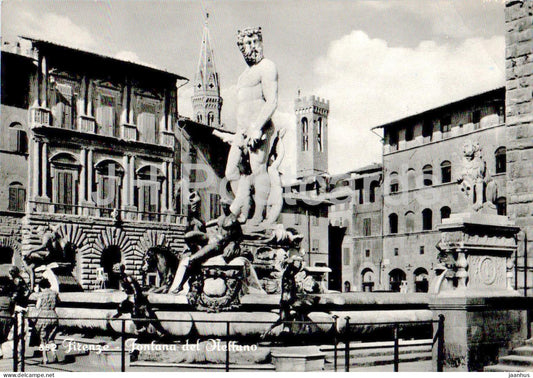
484,316
60,277
298,359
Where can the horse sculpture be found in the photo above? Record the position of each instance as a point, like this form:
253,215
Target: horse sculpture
165,263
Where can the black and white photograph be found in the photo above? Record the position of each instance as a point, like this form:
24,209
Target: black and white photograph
195,186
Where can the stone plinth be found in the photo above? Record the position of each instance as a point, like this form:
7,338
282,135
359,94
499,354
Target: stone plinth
484,316
298,359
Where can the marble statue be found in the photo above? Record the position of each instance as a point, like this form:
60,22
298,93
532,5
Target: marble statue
475,180
257,96
51,250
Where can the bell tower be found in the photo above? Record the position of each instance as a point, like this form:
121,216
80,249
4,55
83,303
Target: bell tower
311,135
206,99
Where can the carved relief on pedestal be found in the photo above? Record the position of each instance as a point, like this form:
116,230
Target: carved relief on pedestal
487,272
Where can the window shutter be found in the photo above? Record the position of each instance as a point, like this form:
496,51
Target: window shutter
147,123
12,199
21,199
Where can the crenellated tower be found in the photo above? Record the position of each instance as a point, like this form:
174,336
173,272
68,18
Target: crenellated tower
206,100
312,135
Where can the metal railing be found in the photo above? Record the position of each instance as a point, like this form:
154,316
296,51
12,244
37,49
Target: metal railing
334,336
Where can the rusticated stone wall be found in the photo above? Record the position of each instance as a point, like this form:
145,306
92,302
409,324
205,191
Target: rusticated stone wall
91,237
519,112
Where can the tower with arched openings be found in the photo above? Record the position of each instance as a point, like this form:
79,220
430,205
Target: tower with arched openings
311,136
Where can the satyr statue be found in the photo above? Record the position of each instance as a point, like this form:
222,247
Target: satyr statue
475,181
257,98
51,250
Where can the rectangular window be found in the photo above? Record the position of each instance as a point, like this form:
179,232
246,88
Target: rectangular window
421,249
315,246
17,198
147,121
214,210
396,252
315,220
359,186
393,140
427,130
64,114
367,227
394,187
476,119
105,115
346,255
147,129
367,253
409,134
446,125
64,194
108,194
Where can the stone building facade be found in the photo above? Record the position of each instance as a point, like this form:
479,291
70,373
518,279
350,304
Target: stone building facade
306,200
421,161
355,224
94,147
519,131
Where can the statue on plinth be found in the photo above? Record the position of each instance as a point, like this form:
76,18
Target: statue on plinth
51,250
248,159
475,180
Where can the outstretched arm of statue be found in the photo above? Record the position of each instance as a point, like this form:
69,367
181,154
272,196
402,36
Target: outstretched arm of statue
269,86
226,137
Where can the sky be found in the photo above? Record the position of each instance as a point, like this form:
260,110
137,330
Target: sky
376,61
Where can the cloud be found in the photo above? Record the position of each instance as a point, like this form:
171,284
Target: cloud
130,56
369,83
184,101
51,27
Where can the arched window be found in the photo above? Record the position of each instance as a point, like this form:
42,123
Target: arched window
19,139
427,173
501,206
305,134
210,118
393,223
394,183
17,197
427,221
347,287
109,184
373,188
446,171
149,182
367,279
421,280
111,256
445,213
396,276
411,179
199,117
319,135
500,157
65,177
409,221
